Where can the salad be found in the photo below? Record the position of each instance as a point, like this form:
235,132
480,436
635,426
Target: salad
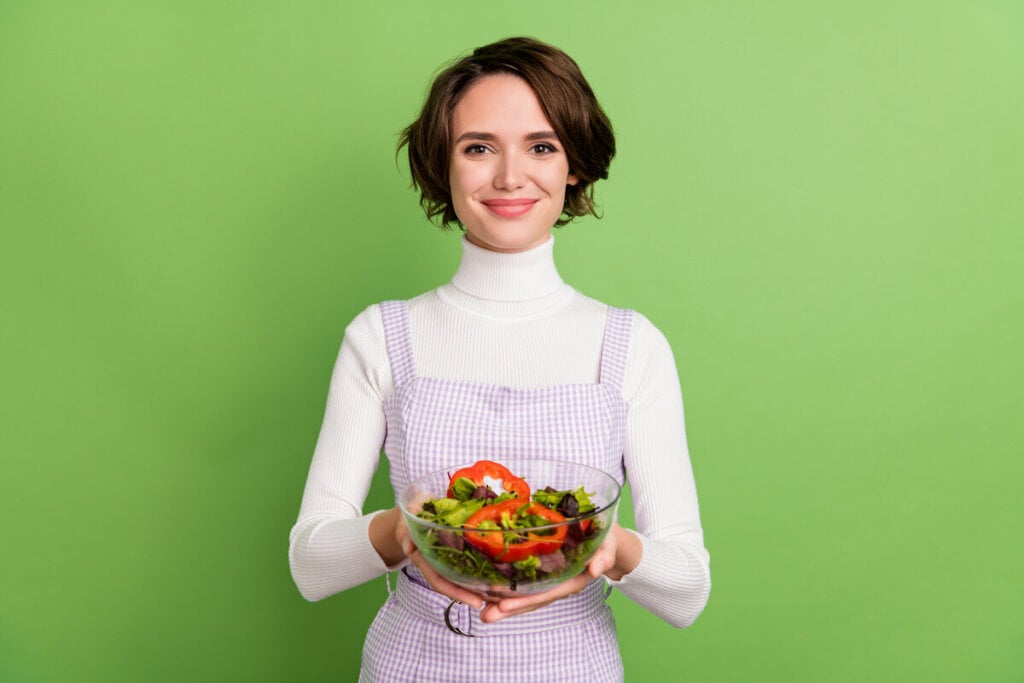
506,535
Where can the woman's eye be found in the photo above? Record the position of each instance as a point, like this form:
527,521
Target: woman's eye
543,148
476,149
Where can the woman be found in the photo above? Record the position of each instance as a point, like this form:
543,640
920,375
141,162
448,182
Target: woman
508,145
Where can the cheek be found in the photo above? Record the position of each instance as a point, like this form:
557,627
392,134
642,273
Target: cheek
560,177
465,177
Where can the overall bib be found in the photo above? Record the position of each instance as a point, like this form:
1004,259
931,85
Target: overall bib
436,423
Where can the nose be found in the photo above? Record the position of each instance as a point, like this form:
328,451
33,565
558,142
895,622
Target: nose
509,174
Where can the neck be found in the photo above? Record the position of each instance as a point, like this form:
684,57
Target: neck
506,285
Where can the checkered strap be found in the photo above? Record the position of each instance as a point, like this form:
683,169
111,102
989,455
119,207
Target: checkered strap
616,346
398,340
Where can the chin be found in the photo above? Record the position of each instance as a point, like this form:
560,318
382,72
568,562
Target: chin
507,243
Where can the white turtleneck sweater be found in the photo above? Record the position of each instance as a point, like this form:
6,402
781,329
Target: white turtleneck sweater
505,319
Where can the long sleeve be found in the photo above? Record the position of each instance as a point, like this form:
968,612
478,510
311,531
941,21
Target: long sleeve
329,546
673,578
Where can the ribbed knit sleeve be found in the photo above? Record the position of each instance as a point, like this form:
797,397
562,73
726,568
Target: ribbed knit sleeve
329,546
673,579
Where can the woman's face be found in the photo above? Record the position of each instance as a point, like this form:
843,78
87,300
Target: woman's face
508,171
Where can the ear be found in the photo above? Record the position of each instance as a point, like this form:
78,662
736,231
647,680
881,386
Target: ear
573,179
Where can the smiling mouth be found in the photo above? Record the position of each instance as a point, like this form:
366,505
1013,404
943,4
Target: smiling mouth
509,208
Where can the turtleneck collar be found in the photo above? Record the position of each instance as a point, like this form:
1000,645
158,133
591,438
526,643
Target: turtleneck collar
507,285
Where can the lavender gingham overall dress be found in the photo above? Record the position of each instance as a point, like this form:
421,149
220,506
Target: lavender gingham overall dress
437,423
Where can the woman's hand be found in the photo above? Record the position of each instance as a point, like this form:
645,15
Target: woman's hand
436,581
618,555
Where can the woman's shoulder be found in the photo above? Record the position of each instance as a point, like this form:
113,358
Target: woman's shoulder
369,320
369,326
641,327
372,317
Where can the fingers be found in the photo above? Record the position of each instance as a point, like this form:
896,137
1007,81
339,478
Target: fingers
436,581
605,556
510,606
601,562
495,609
443,585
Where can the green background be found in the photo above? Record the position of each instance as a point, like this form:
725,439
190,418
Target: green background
819,203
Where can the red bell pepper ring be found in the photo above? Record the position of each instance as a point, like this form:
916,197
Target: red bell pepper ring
493,470
494,544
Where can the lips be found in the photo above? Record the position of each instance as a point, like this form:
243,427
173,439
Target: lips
509,208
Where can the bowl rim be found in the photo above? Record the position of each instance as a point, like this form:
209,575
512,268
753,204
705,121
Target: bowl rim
462,529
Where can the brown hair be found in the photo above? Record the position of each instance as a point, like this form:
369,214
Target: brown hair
565,96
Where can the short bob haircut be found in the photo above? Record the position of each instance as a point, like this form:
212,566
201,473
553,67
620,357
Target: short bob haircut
565,96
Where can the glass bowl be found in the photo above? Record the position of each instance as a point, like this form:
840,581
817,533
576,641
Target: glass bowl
545,556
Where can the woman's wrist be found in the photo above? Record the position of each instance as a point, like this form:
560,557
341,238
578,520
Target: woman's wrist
628,551
382,531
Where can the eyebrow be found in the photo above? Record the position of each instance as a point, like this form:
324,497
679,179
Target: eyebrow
490,137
